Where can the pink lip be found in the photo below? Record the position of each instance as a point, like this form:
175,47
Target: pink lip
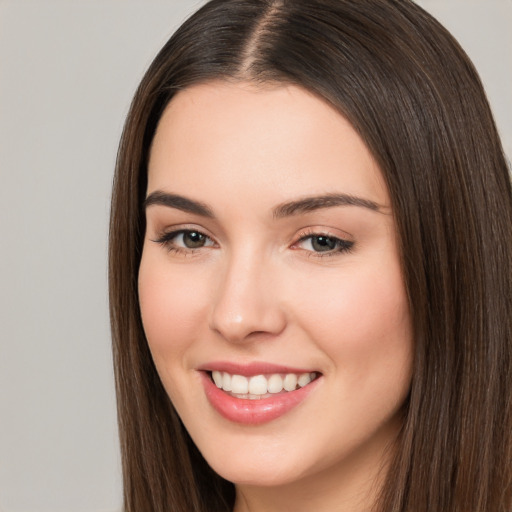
254,412
250,369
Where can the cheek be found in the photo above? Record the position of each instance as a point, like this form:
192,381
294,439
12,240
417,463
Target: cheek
361,321
172,304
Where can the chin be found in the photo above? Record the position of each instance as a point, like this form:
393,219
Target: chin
257,474
257,460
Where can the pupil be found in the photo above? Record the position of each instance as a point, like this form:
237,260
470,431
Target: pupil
323,243
193,240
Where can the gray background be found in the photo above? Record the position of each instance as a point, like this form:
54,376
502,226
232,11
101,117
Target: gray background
68,70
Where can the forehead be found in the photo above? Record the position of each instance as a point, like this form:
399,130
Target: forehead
280,140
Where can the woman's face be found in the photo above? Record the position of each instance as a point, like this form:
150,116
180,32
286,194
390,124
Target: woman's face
270,259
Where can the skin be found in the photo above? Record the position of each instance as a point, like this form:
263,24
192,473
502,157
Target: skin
258,290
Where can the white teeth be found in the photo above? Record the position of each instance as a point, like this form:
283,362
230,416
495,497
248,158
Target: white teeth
304,379
275,384
226,381
258,385
217,378
239,384
290,382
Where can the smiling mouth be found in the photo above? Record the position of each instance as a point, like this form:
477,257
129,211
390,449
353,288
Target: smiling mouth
259,387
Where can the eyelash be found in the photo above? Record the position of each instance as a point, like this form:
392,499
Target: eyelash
166,240
341,245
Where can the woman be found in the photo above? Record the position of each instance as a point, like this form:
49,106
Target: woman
310,264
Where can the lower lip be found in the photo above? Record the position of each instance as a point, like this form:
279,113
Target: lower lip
253,412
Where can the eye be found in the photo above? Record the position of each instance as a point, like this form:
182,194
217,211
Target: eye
185,239
325,244
191,239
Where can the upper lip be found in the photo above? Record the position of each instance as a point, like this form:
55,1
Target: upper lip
251,369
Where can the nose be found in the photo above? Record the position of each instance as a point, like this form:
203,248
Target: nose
247,303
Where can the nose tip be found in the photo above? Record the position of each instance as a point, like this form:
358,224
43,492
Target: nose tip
246,308
237,327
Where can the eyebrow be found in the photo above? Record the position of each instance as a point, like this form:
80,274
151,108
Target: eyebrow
288,209
309,204
179,202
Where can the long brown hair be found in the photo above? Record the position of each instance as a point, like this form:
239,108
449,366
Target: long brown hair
415,98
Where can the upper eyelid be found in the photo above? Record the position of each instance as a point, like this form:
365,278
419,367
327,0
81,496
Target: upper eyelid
325,235
167,235
328,232
182,228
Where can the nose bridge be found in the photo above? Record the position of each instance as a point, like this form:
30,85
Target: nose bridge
245,302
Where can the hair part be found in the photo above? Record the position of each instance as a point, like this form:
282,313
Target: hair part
416,100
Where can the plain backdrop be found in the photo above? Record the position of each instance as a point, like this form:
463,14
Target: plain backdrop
68,69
